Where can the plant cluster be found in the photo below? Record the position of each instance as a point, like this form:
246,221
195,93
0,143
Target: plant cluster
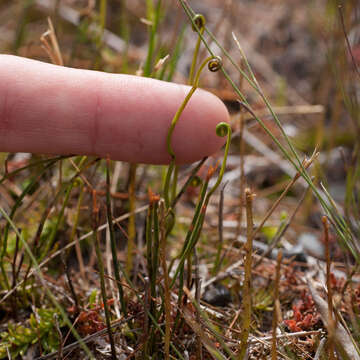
87,254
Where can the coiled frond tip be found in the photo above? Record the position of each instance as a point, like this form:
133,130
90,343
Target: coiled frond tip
215,64
222,129
199,21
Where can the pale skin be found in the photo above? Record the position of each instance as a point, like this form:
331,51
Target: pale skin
48,109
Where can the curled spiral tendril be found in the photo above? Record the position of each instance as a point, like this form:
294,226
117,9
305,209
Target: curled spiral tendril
222,129
199,21
215,64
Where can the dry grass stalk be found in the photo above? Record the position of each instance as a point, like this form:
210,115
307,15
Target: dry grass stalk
52,48
246,290
73,234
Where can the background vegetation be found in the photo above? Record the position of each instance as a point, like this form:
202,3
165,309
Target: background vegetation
104,259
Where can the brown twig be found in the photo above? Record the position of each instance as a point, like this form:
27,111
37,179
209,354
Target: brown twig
52,48
276,313
246,290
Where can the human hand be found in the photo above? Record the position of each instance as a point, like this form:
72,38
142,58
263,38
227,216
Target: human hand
48,109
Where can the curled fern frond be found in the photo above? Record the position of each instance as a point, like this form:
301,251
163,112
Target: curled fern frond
199,21
215,64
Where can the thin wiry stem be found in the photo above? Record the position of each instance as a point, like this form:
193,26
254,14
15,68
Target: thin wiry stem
331,323
131,223
113,240
154,17
276,312
220,231
199,21
214,64
347,40
95,215
167,293
247,289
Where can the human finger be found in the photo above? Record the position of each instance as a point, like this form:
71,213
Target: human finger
50,109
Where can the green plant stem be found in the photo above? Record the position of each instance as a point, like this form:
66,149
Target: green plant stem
193,64
131,223
153,17
113,240
187,242
183,105
172,128
167,294
73,232
124,33
155,252
103,5
167,183
199,216
200,29
95,220
175,56
220,230
174,183
188,182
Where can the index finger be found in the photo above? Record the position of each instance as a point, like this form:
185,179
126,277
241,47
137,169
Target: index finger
50,109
